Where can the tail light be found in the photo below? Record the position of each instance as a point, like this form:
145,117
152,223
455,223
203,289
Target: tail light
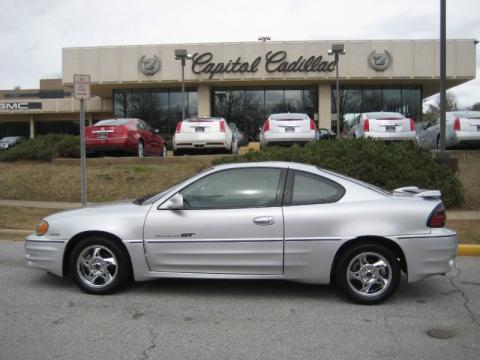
266,126
366,125
456,124
222,126
437,217
312,125
179,127
413,127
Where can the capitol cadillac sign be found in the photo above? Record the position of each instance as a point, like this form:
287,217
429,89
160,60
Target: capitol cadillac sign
204,63
273,62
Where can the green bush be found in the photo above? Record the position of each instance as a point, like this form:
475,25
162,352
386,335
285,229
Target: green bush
44,148
387,165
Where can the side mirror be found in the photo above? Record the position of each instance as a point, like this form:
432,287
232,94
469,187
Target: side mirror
175,202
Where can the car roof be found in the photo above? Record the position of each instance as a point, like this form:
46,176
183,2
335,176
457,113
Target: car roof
278,164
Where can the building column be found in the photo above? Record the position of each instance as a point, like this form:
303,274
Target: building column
204,104
325,106
32,127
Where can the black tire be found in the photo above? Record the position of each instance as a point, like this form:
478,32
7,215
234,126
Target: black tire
120,273
369,273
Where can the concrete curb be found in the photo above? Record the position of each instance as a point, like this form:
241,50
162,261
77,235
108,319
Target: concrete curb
20,235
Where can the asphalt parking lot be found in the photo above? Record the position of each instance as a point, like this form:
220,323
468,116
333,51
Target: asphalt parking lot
43,317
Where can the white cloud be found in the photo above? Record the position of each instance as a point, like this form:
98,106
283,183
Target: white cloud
33,35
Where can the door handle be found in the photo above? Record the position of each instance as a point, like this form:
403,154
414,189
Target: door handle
264,220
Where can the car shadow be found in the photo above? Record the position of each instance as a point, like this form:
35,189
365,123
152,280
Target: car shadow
233,288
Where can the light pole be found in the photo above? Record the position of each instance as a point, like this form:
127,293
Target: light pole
443,75
337,50
183,55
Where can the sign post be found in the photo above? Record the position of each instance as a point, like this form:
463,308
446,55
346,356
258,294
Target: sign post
82,91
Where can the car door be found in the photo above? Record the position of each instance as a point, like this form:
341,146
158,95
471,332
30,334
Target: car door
313,222
231,223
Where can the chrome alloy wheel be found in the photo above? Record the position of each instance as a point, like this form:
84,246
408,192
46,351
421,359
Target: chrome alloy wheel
369,274
97,266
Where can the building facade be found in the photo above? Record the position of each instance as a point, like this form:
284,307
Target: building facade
244,82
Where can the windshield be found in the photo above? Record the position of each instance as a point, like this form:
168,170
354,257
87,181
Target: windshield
384,116
8,139
151,198
288,117
468,114
112,122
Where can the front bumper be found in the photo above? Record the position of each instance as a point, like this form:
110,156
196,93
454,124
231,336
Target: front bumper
430,254
45,253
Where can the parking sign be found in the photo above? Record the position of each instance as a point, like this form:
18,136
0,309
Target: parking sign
81,85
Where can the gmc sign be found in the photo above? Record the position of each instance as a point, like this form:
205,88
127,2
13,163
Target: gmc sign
20,106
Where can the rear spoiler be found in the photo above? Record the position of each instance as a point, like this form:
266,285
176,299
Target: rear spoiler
417,192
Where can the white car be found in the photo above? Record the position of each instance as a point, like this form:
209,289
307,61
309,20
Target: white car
202,134
390,126
462,130
287,129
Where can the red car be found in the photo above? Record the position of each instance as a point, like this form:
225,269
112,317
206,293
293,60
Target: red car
133,136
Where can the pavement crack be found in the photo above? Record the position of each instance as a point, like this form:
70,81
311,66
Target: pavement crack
153,344
466,300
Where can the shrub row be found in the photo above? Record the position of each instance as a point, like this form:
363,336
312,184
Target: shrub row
387,165
44,148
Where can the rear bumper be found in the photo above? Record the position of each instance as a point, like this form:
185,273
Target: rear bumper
392,136
46,254
116,144
271,138
466,138
427,255
200,141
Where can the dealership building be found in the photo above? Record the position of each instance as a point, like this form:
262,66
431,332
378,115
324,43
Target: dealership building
242,82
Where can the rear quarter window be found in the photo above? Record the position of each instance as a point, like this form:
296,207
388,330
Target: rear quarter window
313,189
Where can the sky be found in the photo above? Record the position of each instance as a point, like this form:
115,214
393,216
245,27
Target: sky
33,32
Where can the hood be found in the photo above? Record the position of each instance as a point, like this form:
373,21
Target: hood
110,208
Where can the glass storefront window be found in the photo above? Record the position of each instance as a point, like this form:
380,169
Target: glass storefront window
161,108
57,127
15,128
248,107
405,99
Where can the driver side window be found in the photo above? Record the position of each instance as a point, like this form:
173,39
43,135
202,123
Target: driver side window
235,188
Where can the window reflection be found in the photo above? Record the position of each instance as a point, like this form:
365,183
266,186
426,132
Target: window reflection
248,107
161,108
354,100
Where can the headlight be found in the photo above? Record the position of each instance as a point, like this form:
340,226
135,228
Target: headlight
42,228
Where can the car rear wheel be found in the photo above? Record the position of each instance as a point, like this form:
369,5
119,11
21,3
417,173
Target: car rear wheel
99,265
368,273
140,149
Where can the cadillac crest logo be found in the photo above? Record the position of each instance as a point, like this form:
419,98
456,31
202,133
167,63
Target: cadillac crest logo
149,65
379,61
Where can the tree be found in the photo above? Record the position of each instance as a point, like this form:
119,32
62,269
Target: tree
433,108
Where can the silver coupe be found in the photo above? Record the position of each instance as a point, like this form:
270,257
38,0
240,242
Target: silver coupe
264,220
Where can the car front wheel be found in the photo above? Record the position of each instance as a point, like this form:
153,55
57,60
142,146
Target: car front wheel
99,265
368,273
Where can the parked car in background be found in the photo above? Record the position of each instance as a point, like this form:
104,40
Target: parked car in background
240,136
389,126
287,129
462,130
10,141
325,134
133,136
204,134
264,220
